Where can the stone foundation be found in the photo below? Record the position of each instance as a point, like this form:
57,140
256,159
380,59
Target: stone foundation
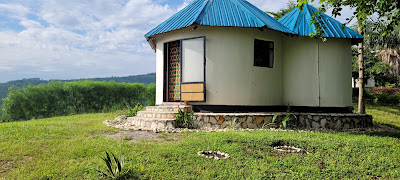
297,120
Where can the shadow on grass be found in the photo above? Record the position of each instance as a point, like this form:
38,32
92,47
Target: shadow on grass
385,134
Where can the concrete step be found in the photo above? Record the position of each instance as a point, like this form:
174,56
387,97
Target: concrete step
157,114
154,124
172,104
173,109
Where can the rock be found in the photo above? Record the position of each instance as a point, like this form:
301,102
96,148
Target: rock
169,125
308,123
207,125
251,126
153,125
244,125
121,118
338,125
302,122
206,119
323,123
346,126
242,119
170,116
161,125
268,119
224,124
315,125
220,120
316,118
258,120
249,119
213,120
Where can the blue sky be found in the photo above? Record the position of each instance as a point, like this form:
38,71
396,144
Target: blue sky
70,39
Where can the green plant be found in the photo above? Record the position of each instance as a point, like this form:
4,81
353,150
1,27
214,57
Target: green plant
133,111
185,119
233,124
284,121
114,167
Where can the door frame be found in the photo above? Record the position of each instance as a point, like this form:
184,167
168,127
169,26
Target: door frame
166,69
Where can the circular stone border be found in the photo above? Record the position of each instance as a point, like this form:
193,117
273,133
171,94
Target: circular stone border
289,149
213,154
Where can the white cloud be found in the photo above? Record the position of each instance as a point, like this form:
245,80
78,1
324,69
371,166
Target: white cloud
15,10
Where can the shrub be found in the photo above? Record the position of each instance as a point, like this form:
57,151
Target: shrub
185,119
387,99
151,94
385,90
57,99
133,111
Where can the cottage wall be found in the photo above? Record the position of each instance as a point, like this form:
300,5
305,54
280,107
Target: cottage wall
317,73
231,78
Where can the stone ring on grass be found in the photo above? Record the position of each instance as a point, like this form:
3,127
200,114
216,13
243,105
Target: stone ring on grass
213,154
290,149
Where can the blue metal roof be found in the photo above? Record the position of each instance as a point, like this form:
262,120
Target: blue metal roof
228,13
300,22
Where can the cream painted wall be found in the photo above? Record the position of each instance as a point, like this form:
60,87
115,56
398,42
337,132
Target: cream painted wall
300,72
231,78
317,73
335,72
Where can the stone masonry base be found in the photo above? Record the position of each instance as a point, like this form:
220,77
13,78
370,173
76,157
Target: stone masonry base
297,120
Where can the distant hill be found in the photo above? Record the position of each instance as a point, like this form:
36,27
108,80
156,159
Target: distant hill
144,79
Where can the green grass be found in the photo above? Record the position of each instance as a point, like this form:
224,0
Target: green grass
385,115
69,148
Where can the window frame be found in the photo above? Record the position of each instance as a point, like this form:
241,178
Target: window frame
266,62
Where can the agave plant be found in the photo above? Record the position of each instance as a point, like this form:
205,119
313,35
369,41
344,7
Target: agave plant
114,167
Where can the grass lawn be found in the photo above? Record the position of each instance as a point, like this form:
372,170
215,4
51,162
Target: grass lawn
69,148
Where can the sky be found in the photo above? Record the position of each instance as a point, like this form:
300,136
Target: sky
72,39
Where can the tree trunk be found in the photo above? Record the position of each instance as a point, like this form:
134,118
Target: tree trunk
361,101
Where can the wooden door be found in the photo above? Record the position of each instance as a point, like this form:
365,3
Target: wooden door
174,71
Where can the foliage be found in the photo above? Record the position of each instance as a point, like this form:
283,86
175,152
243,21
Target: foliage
386,10
133,111
291,4
68,148
144,79
56,99
385,90
185,119
284,120
382,97
114,167
374,68
151,94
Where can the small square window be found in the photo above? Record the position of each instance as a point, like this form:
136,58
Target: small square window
263,53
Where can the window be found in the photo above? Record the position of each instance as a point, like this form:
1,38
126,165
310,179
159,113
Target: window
193,60
263,53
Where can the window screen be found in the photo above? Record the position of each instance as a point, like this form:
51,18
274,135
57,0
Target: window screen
263,53
193,60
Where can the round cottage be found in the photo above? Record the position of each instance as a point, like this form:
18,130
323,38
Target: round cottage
227,55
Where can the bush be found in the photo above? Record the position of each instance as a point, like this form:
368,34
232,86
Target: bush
151,94
387,99
380,96
57,99
385,90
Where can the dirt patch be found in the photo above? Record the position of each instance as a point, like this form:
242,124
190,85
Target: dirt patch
5,166
136,136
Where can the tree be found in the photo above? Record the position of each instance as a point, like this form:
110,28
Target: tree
387,47
363,9
290,6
